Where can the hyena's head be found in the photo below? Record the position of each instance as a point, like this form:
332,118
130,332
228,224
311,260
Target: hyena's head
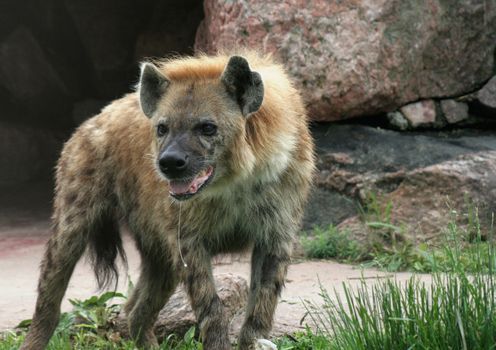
197,120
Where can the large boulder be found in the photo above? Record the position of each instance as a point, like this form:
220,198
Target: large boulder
177,317
354,58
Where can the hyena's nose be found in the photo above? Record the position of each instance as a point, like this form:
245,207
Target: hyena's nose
173,163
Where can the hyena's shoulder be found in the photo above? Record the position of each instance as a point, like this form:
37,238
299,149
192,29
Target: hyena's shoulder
110,145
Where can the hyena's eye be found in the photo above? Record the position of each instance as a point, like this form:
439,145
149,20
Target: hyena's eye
162,130
208,129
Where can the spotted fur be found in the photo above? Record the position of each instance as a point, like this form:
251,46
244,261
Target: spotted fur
107,174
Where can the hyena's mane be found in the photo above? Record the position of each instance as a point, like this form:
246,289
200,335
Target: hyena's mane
270,131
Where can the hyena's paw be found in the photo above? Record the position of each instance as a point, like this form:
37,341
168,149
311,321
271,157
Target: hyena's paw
257,344
251,338
253,343
264,344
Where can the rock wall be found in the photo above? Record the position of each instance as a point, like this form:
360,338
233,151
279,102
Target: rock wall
350,58
423,176
353,58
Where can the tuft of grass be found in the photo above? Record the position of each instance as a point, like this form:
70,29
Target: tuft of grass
304,341
331,243
463,248
387,243
455,253
455,309
375,209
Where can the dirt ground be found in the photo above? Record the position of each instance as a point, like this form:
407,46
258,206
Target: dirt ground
24,229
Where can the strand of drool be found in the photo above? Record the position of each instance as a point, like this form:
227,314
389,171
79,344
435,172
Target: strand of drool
179,237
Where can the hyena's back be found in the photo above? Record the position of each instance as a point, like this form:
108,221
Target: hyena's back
101,176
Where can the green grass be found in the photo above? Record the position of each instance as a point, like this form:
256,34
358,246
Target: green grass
456,309
89,326
332,244
304,341
85,339
454,251
386,244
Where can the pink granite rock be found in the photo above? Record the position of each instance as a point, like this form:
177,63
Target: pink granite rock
354,58
420,113
428,199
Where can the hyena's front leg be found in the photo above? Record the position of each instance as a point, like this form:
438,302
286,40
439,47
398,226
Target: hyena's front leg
268,271
205,302
61,255
156,283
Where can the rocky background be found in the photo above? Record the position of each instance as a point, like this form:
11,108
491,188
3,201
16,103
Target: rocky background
402,93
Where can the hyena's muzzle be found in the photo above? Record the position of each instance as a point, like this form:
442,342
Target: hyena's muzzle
187,171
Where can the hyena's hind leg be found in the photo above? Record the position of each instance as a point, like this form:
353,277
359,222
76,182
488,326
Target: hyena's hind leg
155,285
61,255
84,212
73,230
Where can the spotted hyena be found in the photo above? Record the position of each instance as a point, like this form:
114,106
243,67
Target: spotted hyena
215,148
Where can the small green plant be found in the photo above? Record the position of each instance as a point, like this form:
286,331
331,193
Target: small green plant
331,244
304,341
387,243
95,313
90,326
86,340
374,208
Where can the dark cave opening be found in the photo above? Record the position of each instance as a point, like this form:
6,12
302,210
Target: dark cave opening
61,61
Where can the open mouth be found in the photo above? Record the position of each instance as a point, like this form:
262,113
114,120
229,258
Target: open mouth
181,189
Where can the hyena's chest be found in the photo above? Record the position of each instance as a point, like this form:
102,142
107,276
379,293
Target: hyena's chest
231,224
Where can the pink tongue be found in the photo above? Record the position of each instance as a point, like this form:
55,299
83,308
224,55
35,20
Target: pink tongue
189,187
180,187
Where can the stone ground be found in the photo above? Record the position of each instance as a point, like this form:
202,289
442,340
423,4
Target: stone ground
24,229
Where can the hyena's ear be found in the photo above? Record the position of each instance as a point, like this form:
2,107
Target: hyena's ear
151,87
244,85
